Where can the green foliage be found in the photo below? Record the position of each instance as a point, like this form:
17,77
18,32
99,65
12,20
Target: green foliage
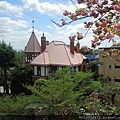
20,77
93,67
7,55
111,90
64,92
16,105
97,85
19,58
96,107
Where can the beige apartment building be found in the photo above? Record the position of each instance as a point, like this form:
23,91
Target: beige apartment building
109,67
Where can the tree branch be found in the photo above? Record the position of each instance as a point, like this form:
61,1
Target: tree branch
69,21
74,4
92,25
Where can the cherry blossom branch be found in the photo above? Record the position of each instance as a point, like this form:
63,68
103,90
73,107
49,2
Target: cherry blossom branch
69,22
93,24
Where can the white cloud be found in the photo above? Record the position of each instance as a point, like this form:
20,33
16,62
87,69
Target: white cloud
6,7
8,23
49,8
16,31
31,4
13,31
50,27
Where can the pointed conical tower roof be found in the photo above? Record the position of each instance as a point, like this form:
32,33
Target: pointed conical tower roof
33,44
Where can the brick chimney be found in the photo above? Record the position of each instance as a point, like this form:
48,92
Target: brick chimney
43,43
78,47
72,39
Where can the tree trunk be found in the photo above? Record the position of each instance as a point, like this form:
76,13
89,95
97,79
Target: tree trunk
6,90
113,98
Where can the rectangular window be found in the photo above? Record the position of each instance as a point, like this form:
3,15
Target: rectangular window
38,70
117,80
42,71
117,67
35,70
109,66
74,68
29,57
109,79
101,75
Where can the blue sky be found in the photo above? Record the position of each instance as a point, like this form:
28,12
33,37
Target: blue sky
16,21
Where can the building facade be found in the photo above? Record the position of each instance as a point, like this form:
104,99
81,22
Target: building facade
109,68
56,55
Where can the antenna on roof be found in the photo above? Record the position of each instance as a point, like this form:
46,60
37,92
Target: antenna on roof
33,24
43,34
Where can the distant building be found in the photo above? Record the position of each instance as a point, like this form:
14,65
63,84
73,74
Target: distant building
109,67
48,58
90,57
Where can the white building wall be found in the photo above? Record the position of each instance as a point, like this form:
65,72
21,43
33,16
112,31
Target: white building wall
59,68
46,71
76,68
35,70
42,71
25,59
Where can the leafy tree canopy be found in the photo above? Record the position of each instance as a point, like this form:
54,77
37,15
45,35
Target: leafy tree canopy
7,55
64,92
19,58
20,77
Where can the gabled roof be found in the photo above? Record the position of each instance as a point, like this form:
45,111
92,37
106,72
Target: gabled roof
33,44
58,53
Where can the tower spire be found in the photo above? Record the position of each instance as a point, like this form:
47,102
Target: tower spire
33,25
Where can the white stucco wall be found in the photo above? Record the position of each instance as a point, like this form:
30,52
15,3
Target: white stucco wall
59,68
76,68
46,71
42,71
35,70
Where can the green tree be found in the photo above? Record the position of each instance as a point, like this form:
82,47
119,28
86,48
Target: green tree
64,92
111,91
15,105
20,77
93,67
97,107
7,56
19,58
